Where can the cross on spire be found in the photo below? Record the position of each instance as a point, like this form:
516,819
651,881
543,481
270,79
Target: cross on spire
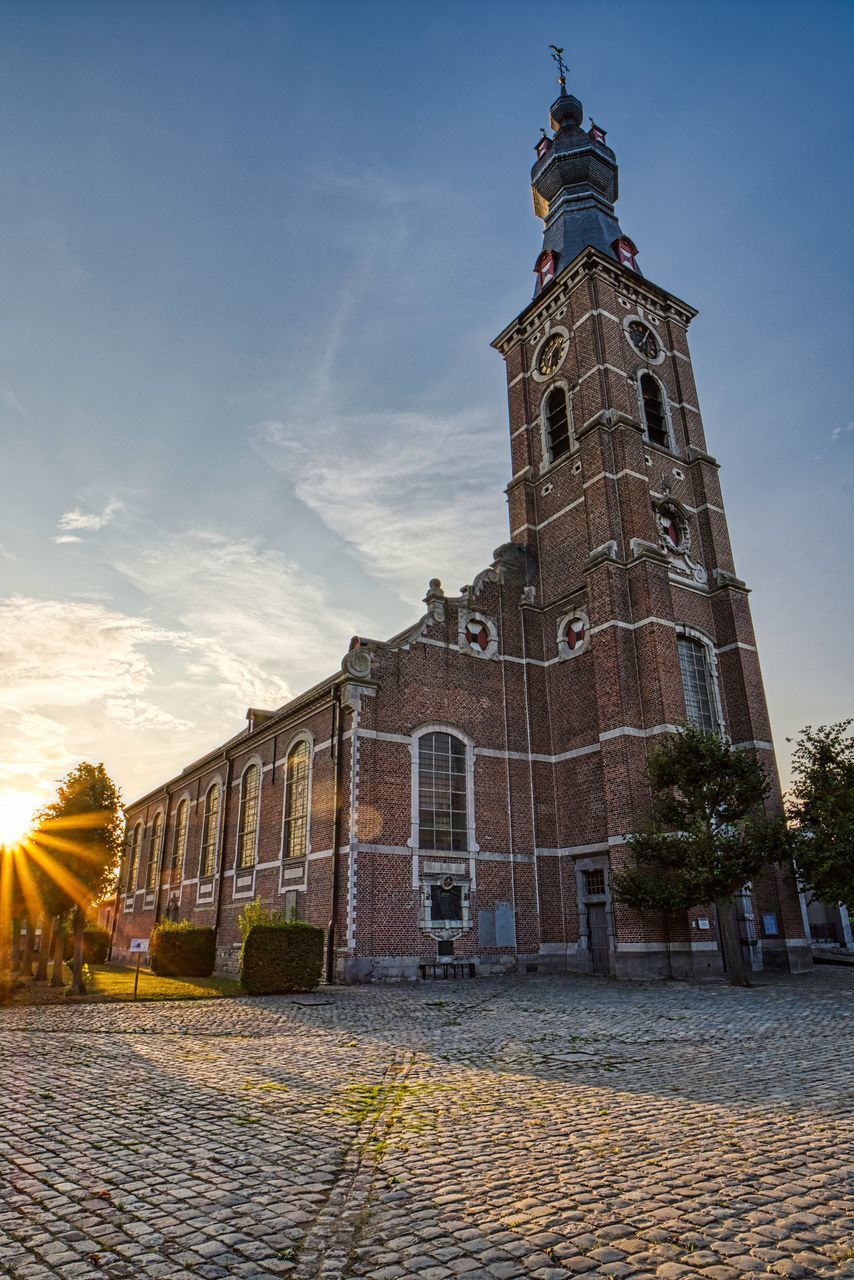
557,56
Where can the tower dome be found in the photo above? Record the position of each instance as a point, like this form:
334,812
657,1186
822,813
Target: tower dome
575,187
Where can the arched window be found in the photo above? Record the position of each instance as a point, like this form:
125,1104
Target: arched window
154,851
295,836
133,857
654,416
557,424
182,823
442,809
247,829
210,832
697,684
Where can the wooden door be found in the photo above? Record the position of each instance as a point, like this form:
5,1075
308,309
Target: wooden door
597,929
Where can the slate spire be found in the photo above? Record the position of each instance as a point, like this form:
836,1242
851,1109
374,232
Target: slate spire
575,187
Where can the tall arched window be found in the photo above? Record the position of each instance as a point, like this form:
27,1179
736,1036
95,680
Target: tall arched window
654,416
154,851
557,424
442,808
133,857
182,823
697,684
247,829
210,832
295,837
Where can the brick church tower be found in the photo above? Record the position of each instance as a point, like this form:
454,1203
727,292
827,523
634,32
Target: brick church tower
460,793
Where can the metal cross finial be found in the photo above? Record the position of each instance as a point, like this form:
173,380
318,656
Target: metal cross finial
557,55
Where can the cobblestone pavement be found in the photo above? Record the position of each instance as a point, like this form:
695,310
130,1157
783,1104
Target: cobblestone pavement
546,1127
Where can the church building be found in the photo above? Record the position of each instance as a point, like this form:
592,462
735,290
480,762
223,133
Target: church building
461,792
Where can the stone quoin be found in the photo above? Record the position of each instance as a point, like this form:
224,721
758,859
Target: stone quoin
462,791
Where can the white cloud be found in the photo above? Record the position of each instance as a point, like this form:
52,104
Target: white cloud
6,554
88,521
416,496
62,538
254,616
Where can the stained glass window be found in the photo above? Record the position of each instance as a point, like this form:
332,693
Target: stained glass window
247,831
697,683
296,802
442,810
210,832
182,822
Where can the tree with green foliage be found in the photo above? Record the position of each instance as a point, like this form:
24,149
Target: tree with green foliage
820,807
708,834
80,837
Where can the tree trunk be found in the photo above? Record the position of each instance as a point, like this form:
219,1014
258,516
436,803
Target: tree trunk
731,942
44,949
78,986
27,955
57,980
15,962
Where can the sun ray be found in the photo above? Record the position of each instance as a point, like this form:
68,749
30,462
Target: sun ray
60,875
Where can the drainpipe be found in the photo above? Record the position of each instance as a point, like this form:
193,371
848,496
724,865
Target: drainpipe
338,742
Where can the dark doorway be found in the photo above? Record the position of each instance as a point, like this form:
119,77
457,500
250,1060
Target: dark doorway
597,929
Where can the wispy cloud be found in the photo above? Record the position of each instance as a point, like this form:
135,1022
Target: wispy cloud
838,431
415,495
89,521
62,538
6,554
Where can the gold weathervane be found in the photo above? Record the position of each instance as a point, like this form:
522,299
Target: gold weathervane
557,55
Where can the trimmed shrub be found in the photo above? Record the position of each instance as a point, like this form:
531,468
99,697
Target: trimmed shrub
281,957
182,950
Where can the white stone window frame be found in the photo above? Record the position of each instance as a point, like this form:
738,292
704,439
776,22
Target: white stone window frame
559,384
243,885
182,798
563,621
205,885
712,666
464,617
413,841
150,895
296,866
130,890
636,376
635,317
551,330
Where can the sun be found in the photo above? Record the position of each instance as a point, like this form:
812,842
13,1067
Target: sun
16,815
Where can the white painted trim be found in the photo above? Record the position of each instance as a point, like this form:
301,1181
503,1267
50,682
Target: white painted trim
737,644
663,947
626,731
573,850
537,758
615,475
596,311
758,746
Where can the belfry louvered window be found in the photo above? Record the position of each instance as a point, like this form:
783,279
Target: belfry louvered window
155,849
133,857
557,424
247,831
295,839
654,416
182,822
442,804
697,684
210,833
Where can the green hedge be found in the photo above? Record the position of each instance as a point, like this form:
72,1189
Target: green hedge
281,957
182,950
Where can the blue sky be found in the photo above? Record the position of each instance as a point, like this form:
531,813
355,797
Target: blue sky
252,256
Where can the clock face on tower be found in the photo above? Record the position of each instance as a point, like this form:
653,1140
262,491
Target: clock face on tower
551,355
644,339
